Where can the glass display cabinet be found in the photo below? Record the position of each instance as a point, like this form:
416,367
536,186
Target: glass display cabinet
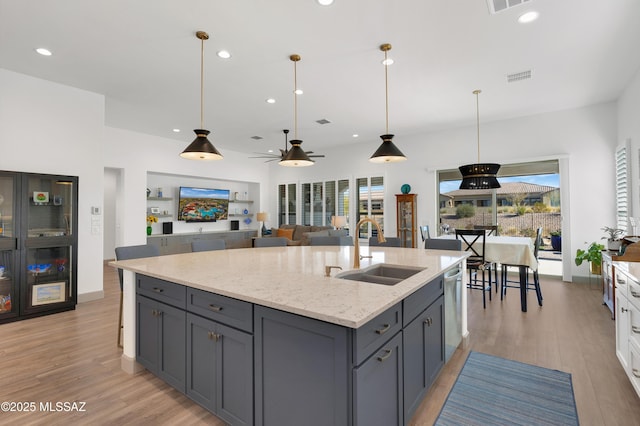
406,219
38,244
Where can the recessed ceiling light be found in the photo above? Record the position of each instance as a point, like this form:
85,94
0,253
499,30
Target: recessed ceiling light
224,54
527,17
387,61
270,101
325,2
355,135
176,130
298,92
270,151
43,51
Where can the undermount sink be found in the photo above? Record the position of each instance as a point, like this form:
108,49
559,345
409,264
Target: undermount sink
382,273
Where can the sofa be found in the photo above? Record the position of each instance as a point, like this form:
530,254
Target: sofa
300,235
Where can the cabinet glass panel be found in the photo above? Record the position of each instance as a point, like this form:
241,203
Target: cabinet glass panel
7,283
48,275
7,206
50,206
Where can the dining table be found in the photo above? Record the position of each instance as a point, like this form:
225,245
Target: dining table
511,251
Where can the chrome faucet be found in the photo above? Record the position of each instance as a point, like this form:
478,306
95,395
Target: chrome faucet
356,251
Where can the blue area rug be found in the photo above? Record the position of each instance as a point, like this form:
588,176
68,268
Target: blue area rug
495,391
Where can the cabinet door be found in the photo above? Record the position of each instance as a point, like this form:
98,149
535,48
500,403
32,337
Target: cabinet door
622,330
220,369
147,340
234,381
301,370
161,340
172,346
378,387
423,355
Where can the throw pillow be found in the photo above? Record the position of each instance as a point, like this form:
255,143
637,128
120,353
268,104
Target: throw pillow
287,233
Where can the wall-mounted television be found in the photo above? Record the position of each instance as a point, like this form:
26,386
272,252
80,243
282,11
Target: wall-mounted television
203,204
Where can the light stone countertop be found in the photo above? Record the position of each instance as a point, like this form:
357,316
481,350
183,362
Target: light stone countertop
292,279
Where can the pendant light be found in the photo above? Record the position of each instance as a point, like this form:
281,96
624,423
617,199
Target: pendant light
479,175
201,148
296,157
387,152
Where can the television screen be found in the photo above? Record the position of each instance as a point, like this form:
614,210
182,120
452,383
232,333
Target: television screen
203,204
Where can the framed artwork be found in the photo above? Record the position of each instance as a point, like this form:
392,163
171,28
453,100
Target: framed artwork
44,294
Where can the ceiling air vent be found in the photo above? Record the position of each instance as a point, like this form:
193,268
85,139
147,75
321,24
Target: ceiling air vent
518,76
257,138
496,6
323,121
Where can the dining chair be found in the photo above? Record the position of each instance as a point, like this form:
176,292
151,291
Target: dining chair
491,229
506,283
424,232
208,245
126,253
442,244
270,242
473,241
331,241
391,242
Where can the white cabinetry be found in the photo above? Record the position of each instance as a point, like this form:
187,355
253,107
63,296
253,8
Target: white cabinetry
628,320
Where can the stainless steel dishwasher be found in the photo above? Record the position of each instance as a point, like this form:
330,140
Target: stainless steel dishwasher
452,311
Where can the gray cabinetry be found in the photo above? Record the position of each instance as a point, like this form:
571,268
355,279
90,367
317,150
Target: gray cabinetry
423,354
301,370
161,340
220,369
378,388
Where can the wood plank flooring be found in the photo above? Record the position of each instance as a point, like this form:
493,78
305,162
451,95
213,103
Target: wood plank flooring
72,356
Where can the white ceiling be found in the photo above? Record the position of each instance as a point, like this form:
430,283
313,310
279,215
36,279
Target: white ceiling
144,57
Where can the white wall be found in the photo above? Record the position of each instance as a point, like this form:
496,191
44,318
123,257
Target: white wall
584,138
50,128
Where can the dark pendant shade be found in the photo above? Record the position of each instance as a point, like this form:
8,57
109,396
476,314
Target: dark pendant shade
387,152
201,148
296,157
479,176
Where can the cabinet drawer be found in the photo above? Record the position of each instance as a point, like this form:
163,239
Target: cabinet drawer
421,299
634,293
163,291
225,310
373,334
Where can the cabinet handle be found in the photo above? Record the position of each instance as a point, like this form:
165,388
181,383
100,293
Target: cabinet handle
214,336
636,372
428,322
621,280
158,290
634,294
387,354
215,308
635,329
384,329
623,310
156,313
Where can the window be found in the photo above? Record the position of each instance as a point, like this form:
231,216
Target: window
622,192
320,201
287,204
371,204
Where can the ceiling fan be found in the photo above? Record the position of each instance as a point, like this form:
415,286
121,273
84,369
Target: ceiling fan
283,152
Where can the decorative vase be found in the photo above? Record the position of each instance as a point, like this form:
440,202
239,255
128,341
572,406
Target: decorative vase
596,269
556,242
149,230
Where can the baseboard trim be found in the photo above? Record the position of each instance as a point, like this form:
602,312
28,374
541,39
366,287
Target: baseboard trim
129,365
88,297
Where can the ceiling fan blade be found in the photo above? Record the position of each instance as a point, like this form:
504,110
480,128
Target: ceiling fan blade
316,156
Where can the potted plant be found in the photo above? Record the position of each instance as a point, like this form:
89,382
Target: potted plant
593,254
614,239
556,240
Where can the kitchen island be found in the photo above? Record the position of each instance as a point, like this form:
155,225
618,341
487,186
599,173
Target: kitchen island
287,344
